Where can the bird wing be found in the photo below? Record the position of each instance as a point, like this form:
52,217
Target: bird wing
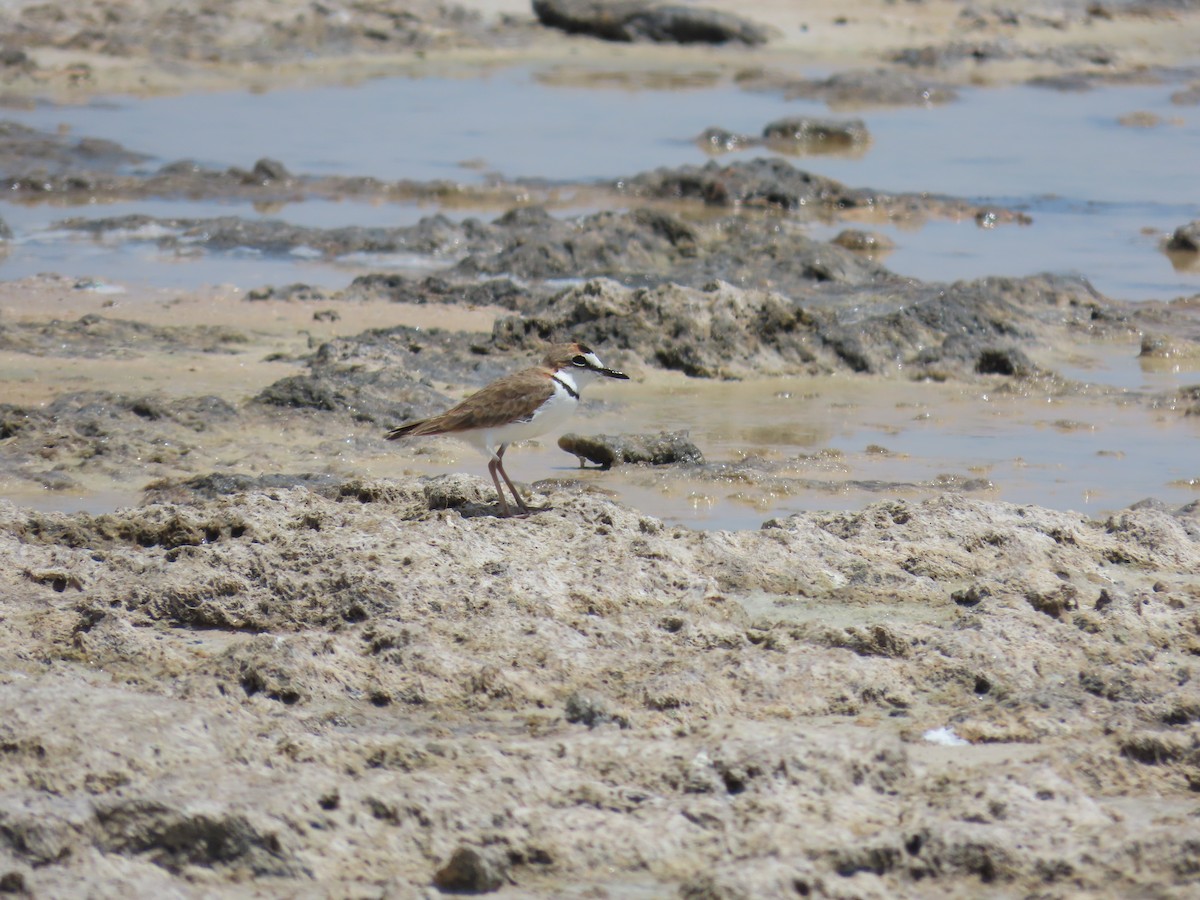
512,398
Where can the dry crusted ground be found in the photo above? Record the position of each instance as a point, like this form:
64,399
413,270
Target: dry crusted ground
289,693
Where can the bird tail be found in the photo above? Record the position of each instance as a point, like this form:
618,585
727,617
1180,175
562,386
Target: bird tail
413,429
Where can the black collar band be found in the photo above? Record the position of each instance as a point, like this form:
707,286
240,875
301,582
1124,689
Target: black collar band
566,387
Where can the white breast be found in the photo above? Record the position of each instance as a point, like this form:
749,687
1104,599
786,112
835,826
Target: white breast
551,416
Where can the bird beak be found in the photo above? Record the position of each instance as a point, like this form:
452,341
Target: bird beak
613,373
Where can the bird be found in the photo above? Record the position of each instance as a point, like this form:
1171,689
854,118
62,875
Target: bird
516,407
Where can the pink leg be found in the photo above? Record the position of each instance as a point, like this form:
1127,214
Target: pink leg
493,466
512,487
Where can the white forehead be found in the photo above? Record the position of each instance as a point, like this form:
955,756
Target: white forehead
593,359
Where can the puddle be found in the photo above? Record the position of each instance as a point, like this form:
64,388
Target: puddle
896,442
1102,194
836,448
94,503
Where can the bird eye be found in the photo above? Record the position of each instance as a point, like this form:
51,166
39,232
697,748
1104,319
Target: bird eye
580,361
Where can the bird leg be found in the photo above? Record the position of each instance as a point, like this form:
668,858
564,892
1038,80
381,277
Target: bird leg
512,487
493,466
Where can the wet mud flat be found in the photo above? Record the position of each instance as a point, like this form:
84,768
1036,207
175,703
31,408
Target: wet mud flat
299,660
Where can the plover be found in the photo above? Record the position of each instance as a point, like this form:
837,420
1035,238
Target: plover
515,408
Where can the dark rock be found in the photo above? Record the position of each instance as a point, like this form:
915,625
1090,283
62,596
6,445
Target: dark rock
774,183
972,595
1055,603
637,20
16,58
471,871
1158,748
796,135
1186,238
383,376
720,331
817,135
12,419
13,882
378,396
301,392
636,247
765,182
431,235
586,709
267,169
863,241
692,25
501,292
87,411
644,247
174,838
1166,346
1004,361
665,448
720,140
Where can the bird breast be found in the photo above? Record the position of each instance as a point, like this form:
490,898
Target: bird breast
550,416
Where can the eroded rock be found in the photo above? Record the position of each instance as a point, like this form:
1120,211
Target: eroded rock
647,20
722,331
797,135
1186,239
605,450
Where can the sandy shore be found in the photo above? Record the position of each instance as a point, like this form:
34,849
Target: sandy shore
151,46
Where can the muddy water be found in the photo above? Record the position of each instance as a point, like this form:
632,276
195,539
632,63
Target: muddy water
1101,195
838,447
831,444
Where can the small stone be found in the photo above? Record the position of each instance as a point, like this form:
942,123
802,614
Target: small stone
587,709
470,871
864,241
809,134
663,449
719,140
270,170
1186,238
455,491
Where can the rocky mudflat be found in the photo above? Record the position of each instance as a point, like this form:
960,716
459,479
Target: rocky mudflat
366,689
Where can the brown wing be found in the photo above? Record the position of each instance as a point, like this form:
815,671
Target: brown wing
508,399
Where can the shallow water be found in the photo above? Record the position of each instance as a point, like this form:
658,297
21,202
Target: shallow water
1102,195
838,447
831,445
